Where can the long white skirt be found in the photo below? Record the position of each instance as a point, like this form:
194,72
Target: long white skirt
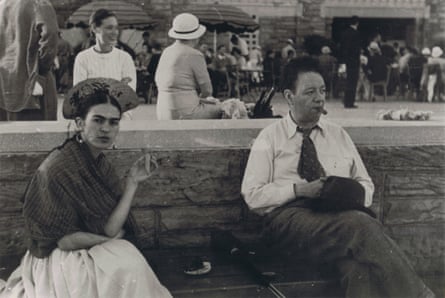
112,269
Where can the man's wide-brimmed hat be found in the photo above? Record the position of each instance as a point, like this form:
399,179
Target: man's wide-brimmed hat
186,26
76,96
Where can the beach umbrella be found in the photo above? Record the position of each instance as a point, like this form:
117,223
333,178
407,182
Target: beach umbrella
128,15
223,18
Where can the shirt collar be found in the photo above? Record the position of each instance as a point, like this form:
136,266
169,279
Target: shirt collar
292,126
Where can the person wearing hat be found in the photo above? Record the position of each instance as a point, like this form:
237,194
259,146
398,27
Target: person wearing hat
377,66
182,78
327,67
77,214
436,74
289,47
103,59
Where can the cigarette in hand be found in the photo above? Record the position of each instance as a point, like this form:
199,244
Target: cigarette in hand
150,163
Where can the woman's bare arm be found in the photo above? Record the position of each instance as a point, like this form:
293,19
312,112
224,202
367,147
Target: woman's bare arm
140,171
80,240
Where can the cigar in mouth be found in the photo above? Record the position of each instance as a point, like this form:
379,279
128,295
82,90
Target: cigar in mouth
323,111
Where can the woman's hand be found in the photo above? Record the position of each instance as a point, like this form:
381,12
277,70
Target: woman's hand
120,235
142,169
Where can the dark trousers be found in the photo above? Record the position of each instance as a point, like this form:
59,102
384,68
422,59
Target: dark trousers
352,74
370,262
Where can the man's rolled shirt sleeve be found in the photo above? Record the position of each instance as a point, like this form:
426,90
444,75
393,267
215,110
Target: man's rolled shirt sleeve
259,192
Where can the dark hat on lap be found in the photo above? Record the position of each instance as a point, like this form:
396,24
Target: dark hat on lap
77,96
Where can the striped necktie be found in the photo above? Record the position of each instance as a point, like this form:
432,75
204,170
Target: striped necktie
309,166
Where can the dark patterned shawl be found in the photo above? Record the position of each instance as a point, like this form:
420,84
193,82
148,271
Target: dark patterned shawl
71,191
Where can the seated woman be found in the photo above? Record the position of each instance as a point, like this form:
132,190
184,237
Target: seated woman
182,78
76,213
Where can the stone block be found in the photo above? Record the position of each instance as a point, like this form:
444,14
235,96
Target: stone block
147,224
186,177
183,218
11,193
184,239
19,166
423,244
12,233
415,210
403,157
416,184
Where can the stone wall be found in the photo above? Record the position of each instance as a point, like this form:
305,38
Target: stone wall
197,190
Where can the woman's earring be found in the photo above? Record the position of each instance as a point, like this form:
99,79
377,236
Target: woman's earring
79,138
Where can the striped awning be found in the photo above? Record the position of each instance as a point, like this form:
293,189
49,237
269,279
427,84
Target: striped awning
375,8
128,15
223,18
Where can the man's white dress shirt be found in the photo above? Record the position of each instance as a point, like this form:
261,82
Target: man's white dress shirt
272,167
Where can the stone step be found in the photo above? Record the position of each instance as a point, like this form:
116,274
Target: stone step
294,278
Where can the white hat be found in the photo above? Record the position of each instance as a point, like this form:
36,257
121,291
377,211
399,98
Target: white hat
436,52
290,41
374,46
186,26
325,50
426,51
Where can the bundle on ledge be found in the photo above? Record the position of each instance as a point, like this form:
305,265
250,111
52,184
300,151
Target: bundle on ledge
403,114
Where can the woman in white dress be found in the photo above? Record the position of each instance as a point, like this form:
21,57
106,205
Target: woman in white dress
77,211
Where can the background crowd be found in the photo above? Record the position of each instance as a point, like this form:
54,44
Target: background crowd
356,67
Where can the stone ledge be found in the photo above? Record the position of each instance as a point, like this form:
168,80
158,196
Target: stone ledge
43,136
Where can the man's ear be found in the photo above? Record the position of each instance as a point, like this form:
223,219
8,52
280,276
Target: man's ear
289,96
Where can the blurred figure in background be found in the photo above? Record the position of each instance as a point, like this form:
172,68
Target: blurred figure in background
237,42
350,45
147,40
268,69
255,57
62,71
28,37
327,67
436,75
219,69
290,46
362,92
143,58
377,68
240,60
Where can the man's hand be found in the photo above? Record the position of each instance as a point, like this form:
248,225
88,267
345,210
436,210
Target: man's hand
309,189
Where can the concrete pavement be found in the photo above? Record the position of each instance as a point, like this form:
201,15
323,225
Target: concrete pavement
366,111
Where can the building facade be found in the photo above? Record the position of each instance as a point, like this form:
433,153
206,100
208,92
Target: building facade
409,22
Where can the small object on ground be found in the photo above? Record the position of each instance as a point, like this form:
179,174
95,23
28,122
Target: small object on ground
198,267
404,115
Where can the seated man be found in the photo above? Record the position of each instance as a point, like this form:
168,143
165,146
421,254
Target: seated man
286,179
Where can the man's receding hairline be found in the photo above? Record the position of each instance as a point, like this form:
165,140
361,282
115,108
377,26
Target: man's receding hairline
304,71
